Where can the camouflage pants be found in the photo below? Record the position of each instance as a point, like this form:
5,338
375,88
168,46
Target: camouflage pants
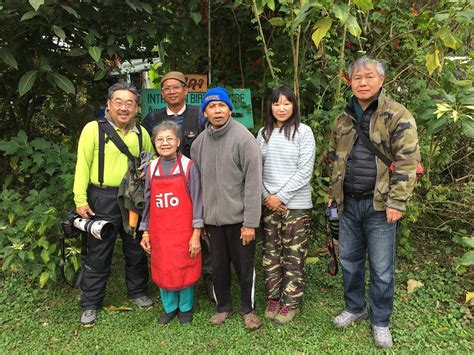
285,245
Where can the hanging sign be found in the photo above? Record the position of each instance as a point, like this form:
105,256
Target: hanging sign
151,99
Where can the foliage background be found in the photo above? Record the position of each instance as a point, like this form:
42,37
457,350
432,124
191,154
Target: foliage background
55,57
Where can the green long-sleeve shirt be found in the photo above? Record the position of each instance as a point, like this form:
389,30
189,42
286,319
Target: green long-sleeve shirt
115,162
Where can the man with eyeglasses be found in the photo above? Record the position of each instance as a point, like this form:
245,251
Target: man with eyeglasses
192,122
371,196
96,184
189,118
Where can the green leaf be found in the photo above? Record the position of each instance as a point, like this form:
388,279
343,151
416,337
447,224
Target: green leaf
70,10
271,4
437,124
448,38
29,15
110,40
36,4
322,27
129,40
75,52
64,83
95,53
8,58
59,32
441,16
353,26
43,280
467,259
364,5
467,242
45,256
7,262
131,5
26,82
147,8
432,61
341,12
277,21
196,17
468,128
99,75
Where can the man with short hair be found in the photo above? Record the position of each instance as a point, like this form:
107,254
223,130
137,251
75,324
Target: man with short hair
371,198
230,164
191,121
96,184
189,118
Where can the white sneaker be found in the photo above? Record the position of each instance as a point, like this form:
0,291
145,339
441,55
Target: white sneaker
382,337
88,317
346,318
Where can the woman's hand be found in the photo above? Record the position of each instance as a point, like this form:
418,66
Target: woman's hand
272,202
145,242
195,243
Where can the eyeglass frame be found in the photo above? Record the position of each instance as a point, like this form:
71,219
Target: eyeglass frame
161,141
175,88
129,104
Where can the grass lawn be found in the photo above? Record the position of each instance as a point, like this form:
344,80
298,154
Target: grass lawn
431,319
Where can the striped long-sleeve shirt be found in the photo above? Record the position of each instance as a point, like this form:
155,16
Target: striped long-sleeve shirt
288,166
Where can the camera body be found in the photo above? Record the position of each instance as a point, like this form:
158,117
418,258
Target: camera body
74,224
333,220
331,212
69,230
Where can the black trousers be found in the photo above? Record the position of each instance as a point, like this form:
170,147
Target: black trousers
99,253
226,247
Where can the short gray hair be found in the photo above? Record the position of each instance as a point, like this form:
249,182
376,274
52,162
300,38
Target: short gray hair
365,61
122,85
163,126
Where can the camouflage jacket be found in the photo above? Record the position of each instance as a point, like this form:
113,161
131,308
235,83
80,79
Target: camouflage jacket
393,132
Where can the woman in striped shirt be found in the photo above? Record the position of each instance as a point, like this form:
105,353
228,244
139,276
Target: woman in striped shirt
288,153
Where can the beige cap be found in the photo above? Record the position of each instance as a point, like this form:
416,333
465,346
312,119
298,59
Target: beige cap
176,75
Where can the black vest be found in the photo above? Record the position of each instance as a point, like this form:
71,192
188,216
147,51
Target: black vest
189,131
361,167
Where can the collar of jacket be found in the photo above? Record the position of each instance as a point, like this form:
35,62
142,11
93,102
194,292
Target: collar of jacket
219,132
373,106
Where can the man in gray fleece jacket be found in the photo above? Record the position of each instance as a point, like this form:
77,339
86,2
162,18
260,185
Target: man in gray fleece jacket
230,164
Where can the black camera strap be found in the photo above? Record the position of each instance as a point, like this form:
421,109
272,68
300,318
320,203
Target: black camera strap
105,128
368,143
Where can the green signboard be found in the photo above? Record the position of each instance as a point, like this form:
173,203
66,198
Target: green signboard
151,99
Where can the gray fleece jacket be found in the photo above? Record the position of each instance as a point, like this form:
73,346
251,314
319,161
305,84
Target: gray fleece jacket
230,164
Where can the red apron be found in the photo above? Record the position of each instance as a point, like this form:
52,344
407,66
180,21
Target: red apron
170,227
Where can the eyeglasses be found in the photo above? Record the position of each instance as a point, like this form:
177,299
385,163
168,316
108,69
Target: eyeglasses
117,103
169,140
175,88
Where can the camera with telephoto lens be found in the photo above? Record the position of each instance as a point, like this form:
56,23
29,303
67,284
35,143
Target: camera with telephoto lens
333,220
74,224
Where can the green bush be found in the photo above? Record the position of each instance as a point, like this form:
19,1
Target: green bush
35,196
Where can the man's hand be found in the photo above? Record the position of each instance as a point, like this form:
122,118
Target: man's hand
204,234
393,215
145,243
330,202
272,202
85,211
247,235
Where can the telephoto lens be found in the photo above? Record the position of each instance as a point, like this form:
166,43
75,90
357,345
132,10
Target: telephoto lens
98,229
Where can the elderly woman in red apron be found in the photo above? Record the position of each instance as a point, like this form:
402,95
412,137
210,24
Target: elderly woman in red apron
172,222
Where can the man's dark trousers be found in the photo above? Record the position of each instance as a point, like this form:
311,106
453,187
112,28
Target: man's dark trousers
227,248
103,202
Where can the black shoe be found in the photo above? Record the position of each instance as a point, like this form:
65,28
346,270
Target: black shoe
167,317
185,317
208,284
